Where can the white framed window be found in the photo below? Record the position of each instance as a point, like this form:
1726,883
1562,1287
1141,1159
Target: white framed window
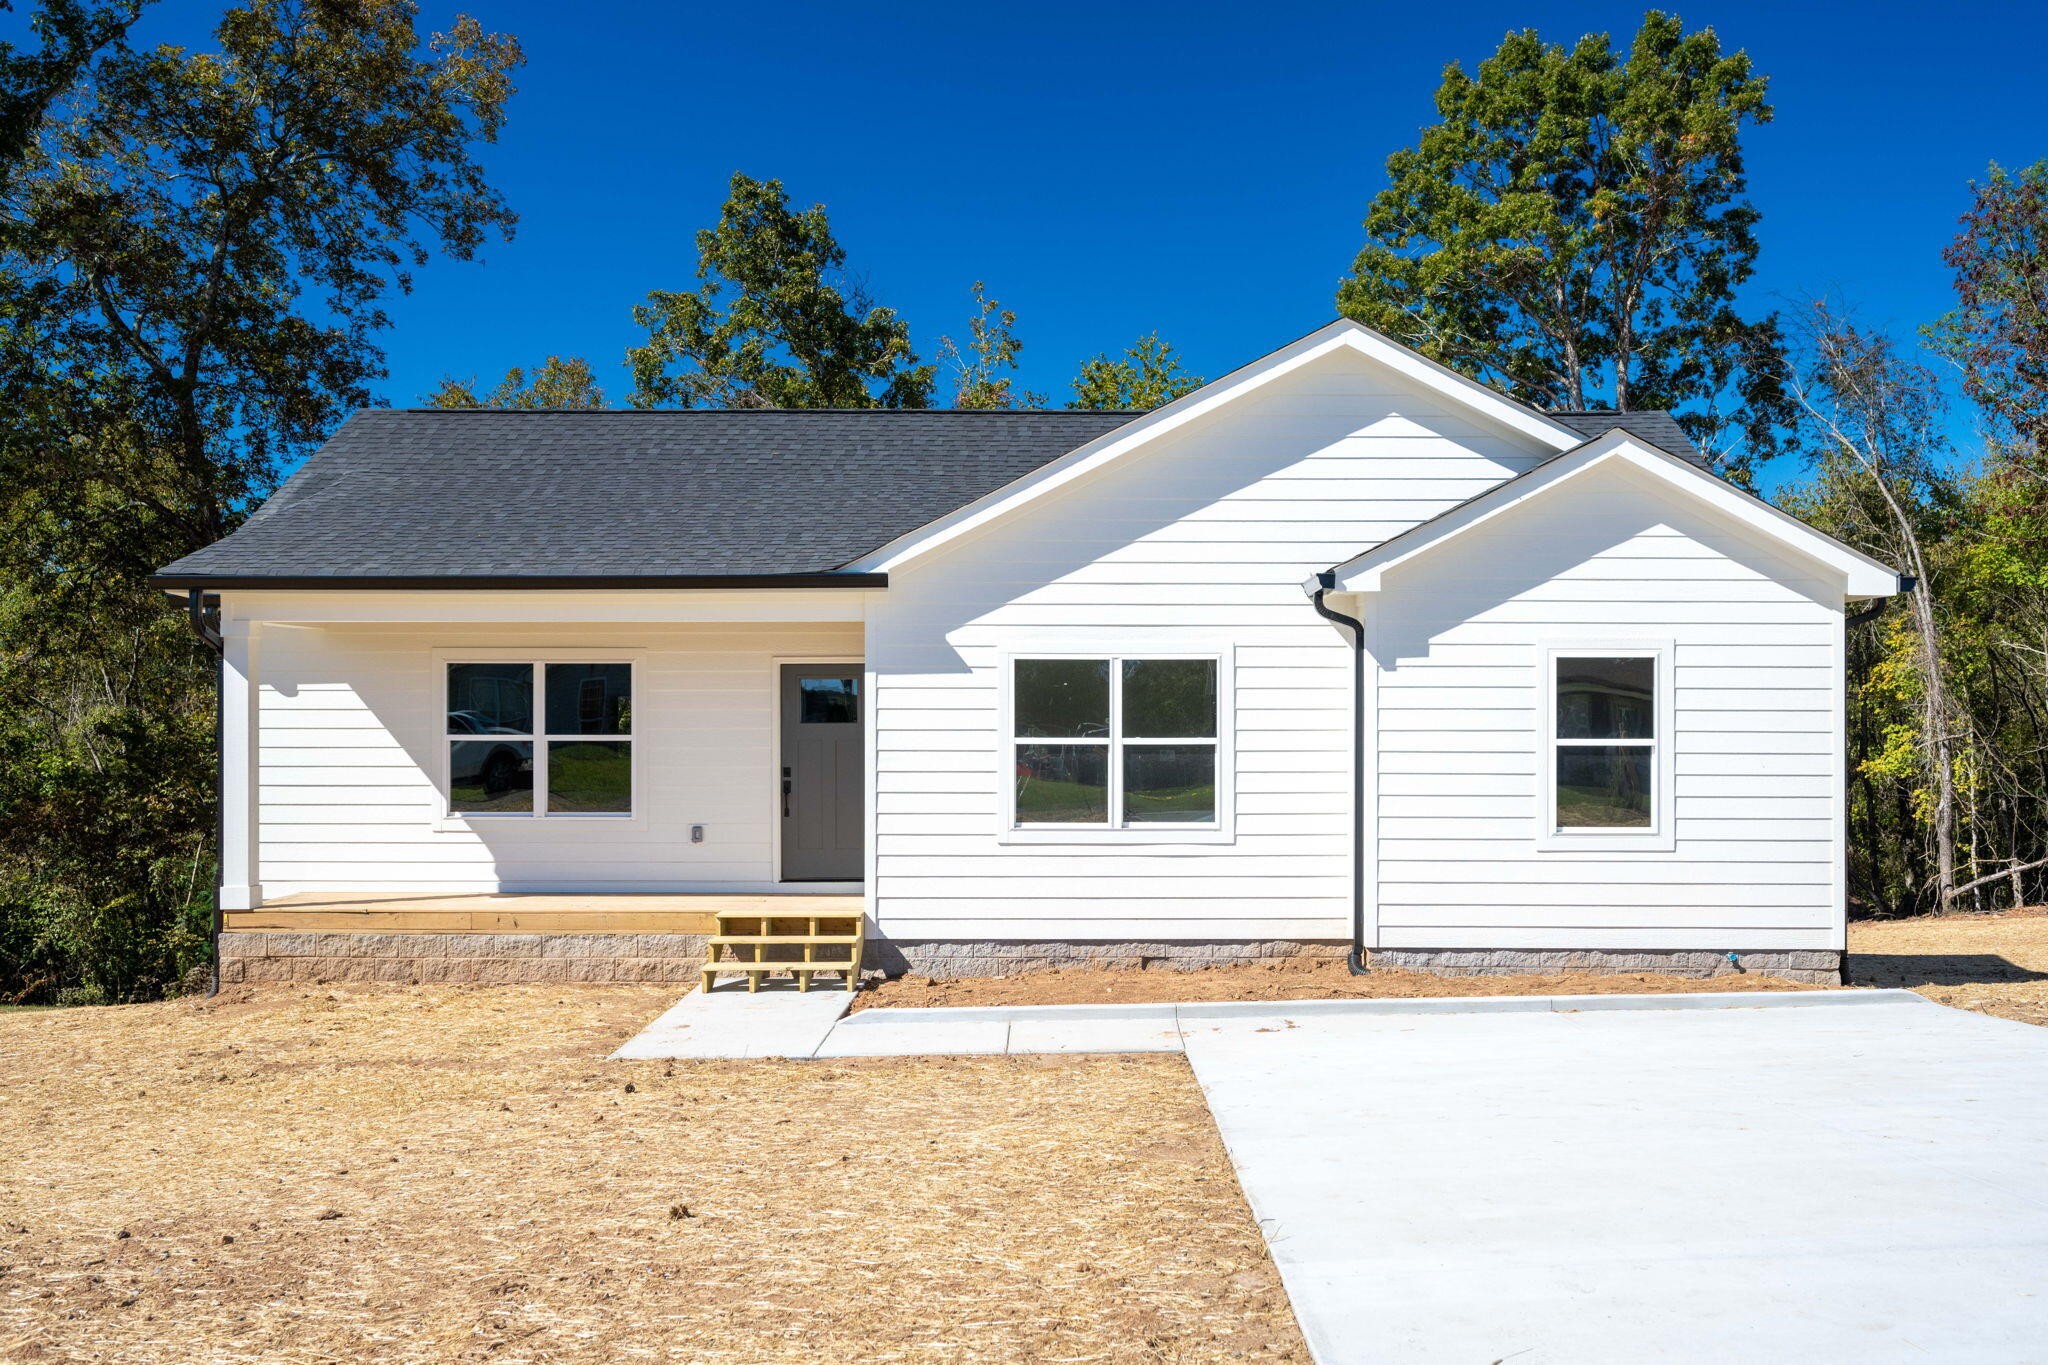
1126,747
539,738
1605,761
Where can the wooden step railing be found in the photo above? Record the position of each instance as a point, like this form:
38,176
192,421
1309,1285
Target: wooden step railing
826,942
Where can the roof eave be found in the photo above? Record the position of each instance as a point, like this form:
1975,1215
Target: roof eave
213,582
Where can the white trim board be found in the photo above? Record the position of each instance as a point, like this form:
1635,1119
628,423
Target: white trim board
1864,576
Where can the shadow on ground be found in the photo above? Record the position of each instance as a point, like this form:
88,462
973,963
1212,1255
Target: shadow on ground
1936,969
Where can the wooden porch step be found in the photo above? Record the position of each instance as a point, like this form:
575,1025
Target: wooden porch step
811,928
752,939
788,916
802,971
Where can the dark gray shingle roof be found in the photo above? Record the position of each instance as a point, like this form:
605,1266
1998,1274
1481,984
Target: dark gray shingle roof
1660,429
428,493
410,494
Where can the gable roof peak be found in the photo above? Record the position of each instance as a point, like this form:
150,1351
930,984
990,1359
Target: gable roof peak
1863,575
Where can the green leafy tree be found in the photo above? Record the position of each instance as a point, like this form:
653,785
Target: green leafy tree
980,378
777,322
1574,228
69,36
558,383
186,210
194,255
1948,744
1878,419
1998,333
1147,375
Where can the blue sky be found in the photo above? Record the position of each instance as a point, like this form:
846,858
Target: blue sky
1196,168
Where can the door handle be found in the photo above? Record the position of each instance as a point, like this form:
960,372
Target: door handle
785,793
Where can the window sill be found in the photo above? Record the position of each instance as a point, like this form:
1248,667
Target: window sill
1607,841
1074,835
469,824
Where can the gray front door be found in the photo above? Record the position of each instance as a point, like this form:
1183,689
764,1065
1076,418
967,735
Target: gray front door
822,802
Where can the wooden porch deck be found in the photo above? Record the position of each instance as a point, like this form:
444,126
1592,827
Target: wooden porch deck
514,913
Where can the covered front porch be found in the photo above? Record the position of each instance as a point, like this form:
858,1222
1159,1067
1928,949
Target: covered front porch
540,762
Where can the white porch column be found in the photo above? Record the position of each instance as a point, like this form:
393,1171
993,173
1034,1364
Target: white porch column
240,889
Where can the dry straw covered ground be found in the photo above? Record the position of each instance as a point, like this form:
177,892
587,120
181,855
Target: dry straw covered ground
1996,964
450,1173
1299,978
453,1173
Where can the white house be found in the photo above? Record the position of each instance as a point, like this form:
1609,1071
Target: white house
540,690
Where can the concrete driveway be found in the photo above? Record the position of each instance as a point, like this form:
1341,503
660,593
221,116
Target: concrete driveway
1864,1183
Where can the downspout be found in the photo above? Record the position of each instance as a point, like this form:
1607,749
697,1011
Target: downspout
1324,583
1907,583
209,635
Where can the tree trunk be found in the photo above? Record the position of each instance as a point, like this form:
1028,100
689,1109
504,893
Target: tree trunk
1935,738
1624,358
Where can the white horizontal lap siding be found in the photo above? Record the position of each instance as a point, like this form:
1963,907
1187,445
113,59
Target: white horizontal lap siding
351,730
1756,742
1201,541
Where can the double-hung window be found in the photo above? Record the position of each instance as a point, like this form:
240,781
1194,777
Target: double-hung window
540,739
1114,743
1605,774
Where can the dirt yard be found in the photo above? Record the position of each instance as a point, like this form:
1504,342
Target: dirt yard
1285,979
450,1173
1997,964
1994,963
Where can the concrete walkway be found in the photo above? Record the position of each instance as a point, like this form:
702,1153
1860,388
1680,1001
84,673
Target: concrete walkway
778,1021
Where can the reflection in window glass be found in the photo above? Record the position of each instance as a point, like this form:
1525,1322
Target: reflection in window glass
490,699
1603,786
1062,698
1169,699
590,777
490,777
1170,784
590,699
1062,784
1606,698
828,701
1115,742
495,767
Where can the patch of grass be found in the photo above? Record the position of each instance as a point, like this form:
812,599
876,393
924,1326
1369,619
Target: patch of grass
1598,808
1166,805
590,777
1045,801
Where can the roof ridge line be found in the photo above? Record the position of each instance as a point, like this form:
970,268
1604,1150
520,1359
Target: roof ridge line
767,412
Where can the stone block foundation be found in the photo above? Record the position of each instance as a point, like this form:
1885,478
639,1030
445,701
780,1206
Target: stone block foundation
944,960
494,959
249,956
951,959
1813,965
